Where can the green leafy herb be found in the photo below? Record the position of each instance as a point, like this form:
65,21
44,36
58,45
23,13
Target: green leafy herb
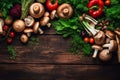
5,6
12,52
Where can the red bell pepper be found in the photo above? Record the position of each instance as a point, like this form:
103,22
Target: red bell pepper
96,13
51,6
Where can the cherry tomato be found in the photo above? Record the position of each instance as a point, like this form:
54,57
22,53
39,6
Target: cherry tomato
107,2
12,34
6,28
51,6
91,40
86,39
9,40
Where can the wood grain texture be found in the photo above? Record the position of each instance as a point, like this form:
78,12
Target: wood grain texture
59,72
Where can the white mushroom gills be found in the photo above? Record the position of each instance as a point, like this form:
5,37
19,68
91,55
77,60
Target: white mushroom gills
1,25
29,21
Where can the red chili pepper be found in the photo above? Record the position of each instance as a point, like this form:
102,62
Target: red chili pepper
51,6
96,13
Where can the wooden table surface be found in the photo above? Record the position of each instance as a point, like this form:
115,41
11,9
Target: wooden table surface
51,60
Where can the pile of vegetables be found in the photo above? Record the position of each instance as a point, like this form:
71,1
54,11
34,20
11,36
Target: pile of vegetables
84,21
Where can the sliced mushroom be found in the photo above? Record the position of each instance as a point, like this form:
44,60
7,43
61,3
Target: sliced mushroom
96,49
29,21
99,38
19,25
44,21
65,11
28,31
37,10
24,38
112,46
37,29
105,55
110,34
1,25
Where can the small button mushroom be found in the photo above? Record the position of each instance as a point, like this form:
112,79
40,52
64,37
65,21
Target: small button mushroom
65,11
96,49
28,31
53,14
24,38
8,20
29,21
110,34
19,25
46,14
100,38
44,21
37,10
36,28
1,25
112,46
105,55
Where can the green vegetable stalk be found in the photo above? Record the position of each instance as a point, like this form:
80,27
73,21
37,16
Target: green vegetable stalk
25,7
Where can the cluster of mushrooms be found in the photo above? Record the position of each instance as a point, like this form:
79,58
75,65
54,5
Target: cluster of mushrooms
106,42
37,19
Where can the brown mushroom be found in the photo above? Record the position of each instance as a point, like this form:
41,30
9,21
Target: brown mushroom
99,38
44,21
53,14
112,46
8,20
29,21
37,10
1,25
37,29
110,34
24,38
118,51
65,11
19,25
46,14
105,55
28,31
96,49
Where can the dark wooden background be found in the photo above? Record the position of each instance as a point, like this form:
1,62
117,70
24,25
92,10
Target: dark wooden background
51,60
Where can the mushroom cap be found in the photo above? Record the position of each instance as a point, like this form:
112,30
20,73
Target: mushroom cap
46,14
29,21
113,45
65,7
99,38
110,34
35,27
104,55
19,25
24,38
44,21
52,14
39,10
28,30
97,47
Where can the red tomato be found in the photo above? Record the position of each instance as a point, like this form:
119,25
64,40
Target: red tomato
51,6
6,28
86,39
9,40
12,34
91,40
107,2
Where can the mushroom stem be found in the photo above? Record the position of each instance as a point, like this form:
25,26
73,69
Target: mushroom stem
40,31
95,53
49,25
106,45
1,26
118,52
117,32
36,9
65,11
28,34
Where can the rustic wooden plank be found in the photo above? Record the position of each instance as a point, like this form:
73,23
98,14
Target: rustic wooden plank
59,72
51,49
